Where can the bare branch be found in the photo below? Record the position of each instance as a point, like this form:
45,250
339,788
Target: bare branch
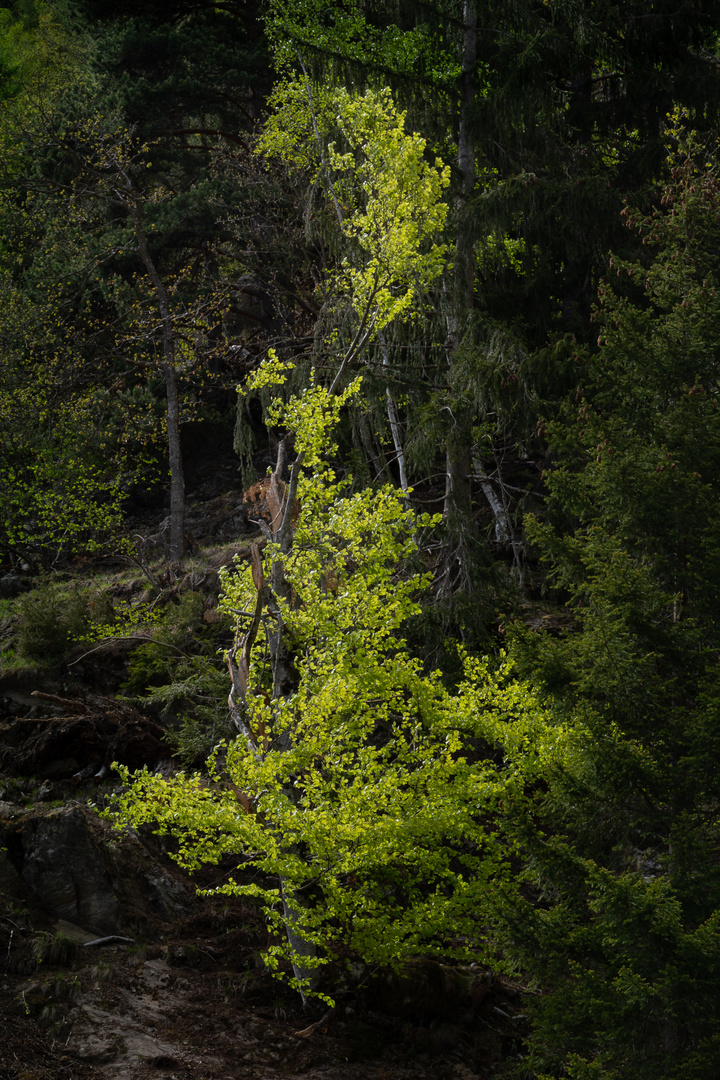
284,531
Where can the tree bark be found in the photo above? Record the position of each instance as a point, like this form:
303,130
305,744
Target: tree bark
464,251
458,477
169,370
394,421
458,489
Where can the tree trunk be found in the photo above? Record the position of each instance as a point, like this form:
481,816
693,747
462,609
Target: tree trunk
281,499
458,490
453,570
304,950
394,420
458,477
464,250
177,476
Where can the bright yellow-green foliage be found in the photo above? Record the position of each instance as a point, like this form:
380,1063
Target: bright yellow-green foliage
37,59
299,125
271,372
365,803
395,207
388,825
61,487
346,546
387,197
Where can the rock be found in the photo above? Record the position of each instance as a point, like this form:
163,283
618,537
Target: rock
59,769
81,871
10,880
166,894
75,933
63,865
11,585
93,1048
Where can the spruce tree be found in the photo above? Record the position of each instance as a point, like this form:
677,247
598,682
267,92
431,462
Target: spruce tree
551,114
621,847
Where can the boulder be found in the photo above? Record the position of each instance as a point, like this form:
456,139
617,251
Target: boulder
82,871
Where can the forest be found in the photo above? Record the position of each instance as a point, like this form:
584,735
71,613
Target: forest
432,288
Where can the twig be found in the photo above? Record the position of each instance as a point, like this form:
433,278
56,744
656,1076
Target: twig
140,563
107,940
319,1025
20,928
129,637
60,700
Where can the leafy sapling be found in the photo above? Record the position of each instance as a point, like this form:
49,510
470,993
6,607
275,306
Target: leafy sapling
348,790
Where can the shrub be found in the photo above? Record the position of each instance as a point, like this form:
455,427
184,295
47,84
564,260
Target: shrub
55,615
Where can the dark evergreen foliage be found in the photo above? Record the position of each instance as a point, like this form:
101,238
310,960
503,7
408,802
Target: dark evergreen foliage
625,938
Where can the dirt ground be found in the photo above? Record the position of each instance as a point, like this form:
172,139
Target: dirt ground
189,997
197,1003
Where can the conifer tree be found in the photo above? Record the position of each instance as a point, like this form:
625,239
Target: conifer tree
551,114
149,226
624,846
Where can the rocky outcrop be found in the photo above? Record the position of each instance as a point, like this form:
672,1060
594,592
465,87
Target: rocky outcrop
80,870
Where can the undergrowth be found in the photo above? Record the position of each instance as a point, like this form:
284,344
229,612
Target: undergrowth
55,615
180,673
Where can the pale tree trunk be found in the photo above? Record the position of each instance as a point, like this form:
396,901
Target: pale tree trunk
504,528
169,370
394,421
457,509
281,502
466,151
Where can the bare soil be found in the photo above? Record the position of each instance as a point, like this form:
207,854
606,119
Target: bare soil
197,1003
